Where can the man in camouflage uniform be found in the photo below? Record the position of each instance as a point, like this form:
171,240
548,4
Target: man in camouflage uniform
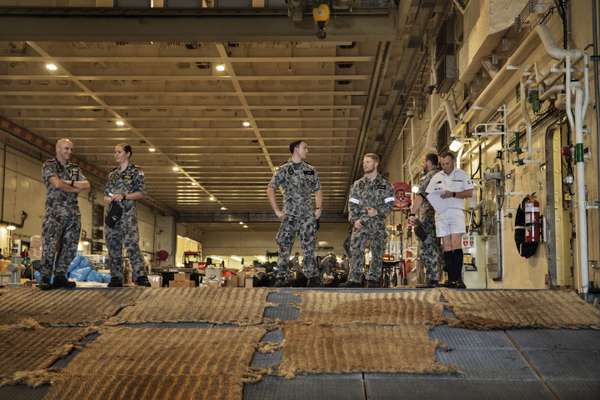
124,187
62,220
299,180
371,200
431,251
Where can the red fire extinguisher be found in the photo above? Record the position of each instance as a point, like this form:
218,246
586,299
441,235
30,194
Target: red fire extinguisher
533,223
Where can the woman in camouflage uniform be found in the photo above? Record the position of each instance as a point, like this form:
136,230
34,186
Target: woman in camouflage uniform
124,187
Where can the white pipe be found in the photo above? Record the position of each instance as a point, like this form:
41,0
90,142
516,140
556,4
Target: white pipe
552,49
582,235
552,90
586,85
460,8
525,114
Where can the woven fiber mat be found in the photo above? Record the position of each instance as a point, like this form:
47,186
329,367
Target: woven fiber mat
388,308
63,307
502,309
215,305
358,348
30,349
160,363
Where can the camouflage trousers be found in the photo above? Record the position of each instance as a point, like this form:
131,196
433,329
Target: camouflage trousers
290,227
60,235
431,251
375,233
124,233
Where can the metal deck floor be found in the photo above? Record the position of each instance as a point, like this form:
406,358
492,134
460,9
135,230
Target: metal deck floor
512,364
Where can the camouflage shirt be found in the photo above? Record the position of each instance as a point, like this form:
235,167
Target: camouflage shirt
377,193
69,172
298,182
426,210
130,180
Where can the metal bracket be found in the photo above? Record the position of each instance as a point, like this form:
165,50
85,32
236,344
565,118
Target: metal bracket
592,204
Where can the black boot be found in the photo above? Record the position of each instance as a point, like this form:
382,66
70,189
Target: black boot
351,284
282,282
315,281
115,282
372,284
45,283
458,264
61,282
142,281
432,283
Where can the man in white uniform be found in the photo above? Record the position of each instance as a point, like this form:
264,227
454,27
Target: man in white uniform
453,185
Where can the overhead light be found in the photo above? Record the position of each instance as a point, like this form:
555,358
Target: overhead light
241,222
220,67
455,145
119,122
212,198
151,149
11,228
51,67
246,124
194,183
175,169
245,226
223,208
415,189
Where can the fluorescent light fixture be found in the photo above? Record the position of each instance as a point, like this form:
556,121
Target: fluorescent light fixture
194,183
241,222
455,145
220,67
51,67
212,198
11,228
175,169
223,208
119,122
245,226
151,149
246,124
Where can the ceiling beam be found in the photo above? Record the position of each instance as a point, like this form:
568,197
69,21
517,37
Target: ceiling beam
187,78
292,107
252,217
183,59
55,24
142,93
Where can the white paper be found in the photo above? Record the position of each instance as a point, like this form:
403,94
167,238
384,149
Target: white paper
439,205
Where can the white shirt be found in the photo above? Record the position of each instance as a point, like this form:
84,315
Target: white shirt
456,181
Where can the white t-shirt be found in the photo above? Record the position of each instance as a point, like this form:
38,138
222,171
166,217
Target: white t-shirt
456,181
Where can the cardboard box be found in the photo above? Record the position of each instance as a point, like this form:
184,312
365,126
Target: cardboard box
232,281
181,276
241,279
182,284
